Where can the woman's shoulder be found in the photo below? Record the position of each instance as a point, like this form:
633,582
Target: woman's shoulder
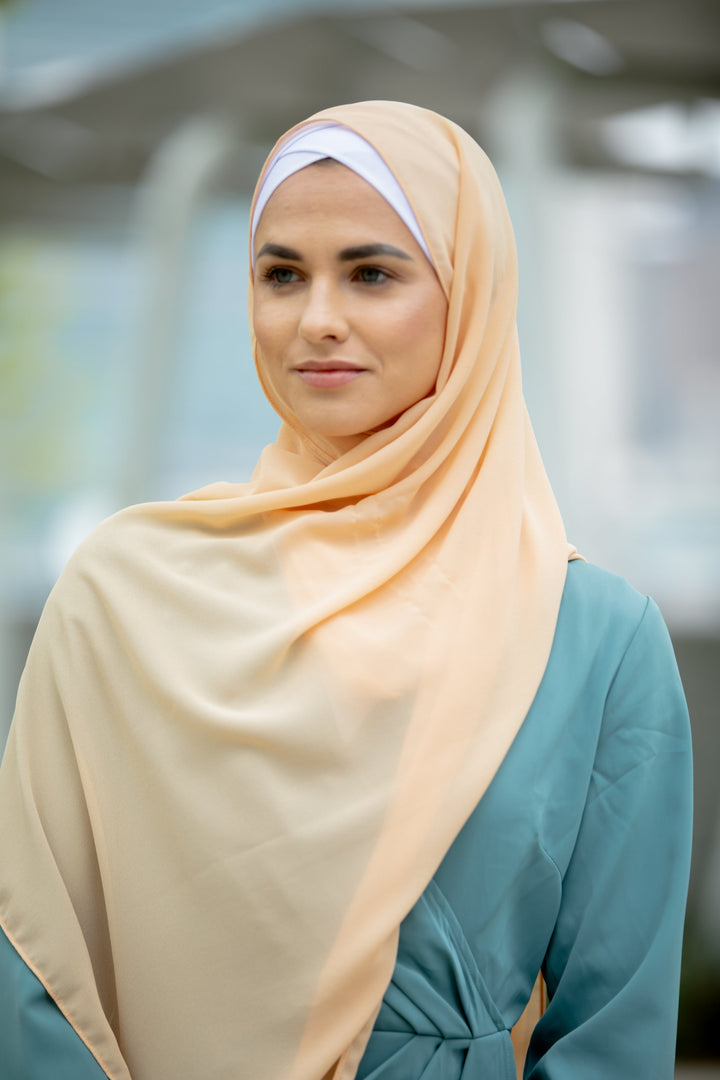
121,550
594,593
157,532
609,631
621,640
600,606
162,528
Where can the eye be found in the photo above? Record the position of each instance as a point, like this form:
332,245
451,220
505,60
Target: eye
280,275
371,275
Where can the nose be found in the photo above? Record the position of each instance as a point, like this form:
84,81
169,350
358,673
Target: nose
323,315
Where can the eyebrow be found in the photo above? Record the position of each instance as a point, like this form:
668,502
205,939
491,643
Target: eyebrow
362,251
366,251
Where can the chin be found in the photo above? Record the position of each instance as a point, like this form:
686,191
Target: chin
330,430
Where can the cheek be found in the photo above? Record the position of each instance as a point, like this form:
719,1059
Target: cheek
267,328
406,325
422,330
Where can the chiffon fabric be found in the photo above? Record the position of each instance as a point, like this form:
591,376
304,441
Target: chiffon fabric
253,720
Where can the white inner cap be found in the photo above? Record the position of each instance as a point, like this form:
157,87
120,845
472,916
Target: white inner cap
316,141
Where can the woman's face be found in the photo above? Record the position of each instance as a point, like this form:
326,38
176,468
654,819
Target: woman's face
348,312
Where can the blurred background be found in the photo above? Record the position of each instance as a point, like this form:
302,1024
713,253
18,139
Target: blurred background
130,139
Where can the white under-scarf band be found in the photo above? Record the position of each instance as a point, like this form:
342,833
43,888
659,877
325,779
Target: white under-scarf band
317,141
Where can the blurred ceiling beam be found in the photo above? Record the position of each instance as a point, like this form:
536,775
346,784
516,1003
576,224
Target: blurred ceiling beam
607,56
80,47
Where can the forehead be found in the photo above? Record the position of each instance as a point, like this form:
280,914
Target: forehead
325,193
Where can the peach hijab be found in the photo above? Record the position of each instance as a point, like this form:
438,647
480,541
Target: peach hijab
253,720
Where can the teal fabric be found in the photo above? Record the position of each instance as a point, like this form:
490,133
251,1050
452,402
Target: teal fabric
36,1041
576,860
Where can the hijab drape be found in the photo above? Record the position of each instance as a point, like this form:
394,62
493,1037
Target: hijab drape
253,720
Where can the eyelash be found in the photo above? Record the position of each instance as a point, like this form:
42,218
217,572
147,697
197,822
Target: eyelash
270,275
383,275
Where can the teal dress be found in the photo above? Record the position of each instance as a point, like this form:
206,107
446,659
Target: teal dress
575,862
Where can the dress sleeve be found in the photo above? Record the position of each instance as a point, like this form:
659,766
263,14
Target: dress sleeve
36,1041
613,964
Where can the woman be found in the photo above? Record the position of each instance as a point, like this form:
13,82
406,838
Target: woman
311,777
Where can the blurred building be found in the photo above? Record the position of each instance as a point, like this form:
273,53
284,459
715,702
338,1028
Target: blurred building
130,139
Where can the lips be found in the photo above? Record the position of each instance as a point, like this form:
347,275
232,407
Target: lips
328,374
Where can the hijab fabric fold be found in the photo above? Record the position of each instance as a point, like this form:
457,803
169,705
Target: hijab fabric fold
254,720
